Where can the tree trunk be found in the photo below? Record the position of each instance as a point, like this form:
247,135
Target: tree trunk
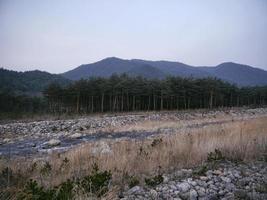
211,100
102,102
78,103
92,104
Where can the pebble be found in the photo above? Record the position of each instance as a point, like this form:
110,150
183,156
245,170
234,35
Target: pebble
220,185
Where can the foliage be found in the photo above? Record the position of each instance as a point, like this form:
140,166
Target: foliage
97,182
124,93
156,142
200,171
156,180
215,156
65,191
46,169
32,191
133,181
8,178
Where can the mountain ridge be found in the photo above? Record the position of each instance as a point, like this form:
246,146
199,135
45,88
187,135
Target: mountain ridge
29,82
235,73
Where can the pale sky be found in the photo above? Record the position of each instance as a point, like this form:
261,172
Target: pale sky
59,35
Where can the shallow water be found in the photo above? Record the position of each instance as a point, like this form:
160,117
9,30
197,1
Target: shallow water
29,146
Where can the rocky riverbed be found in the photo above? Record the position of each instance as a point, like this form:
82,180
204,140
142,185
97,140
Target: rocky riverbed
225,180
43,136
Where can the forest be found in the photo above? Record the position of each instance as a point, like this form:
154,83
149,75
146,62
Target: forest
123,93
120,93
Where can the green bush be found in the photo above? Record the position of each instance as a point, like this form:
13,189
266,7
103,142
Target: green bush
32,191
156,180
156,142
215,156
46,169
97,182
65,191
201,170
133,181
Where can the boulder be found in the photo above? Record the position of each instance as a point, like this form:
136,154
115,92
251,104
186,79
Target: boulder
53,142
76,136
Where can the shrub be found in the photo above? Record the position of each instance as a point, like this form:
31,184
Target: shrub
133,181
156,180
65,191
156,142
46,169
215,156
33,191
200,171
97,182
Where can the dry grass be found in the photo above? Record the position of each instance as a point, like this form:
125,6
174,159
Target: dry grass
243,139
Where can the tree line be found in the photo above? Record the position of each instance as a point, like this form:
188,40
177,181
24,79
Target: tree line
120,93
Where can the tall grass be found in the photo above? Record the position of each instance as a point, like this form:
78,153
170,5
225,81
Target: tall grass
187,147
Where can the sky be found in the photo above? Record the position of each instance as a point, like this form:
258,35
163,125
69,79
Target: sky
59,35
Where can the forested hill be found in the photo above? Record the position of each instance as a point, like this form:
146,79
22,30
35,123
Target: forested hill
242,75
29,83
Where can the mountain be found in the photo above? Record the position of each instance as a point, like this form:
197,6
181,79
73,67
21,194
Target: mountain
29,83
242,75
103,68
174,68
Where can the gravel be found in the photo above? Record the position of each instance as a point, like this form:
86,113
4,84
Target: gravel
226,181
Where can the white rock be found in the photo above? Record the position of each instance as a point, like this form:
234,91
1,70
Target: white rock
102,147
153,193
53,142
6,140
184,187
193,195
165,179
134,189
76,136
226,179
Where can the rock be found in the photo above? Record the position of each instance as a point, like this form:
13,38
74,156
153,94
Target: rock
184,187
241,194
153,193
76,136
134,190
193,195
53,142
201,192
102,148
226,179
165,179
217,172
6,140
203,178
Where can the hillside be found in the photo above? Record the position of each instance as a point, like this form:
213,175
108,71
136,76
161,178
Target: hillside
242,75
30,82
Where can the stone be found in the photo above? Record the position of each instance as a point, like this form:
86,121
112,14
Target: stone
76,136
165,179
184,187
102,148
201,192
217,172
193,195
153,193
53,142
6,140
226,179
134,190
203,178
